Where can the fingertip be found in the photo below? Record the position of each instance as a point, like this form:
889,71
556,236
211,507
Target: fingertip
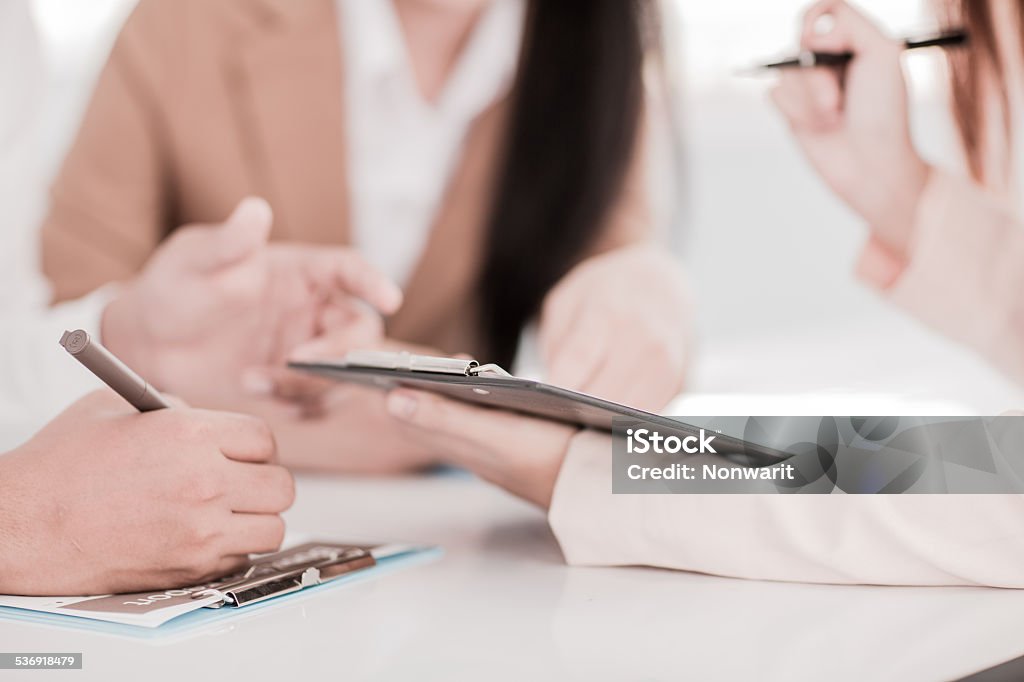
251,221
403,404
254,210
391,298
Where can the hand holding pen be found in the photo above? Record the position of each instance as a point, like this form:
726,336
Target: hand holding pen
810,59
853,123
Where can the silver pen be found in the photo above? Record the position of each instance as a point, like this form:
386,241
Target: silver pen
112,371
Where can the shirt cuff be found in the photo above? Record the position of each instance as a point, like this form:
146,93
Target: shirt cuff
37,379
593,526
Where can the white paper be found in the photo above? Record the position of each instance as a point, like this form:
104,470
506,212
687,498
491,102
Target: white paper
147,609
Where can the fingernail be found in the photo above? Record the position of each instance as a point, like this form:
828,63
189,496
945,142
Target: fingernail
393,299
254,209
402,406
824,24
257,382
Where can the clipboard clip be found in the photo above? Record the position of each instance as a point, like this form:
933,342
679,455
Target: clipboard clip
287,572
409,362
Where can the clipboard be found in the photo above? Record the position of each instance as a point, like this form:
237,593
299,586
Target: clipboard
489,385
272,580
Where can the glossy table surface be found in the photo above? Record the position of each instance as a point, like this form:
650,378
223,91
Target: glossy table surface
501,604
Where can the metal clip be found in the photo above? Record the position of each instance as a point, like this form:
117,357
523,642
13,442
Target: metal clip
408,362
489,368
286,572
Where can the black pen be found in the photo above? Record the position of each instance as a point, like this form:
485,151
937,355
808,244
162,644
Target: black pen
807,59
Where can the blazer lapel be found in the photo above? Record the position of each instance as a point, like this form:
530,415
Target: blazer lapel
291,116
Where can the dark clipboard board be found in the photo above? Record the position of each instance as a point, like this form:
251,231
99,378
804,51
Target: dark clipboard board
491,386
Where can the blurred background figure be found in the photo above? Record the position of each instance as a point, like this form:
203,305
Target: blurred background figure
438,138
947,247
210,298
787,315
786,306
38,103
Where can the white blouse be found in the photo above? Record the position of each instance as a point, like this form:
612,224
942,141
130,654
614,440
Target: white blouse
403,148
37,378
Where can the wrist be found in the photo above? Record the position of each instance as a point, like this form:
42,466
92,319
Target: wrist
546,479
893,223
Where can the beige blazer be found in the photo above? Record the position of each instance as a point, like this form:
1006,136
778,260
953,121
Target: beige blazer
203,102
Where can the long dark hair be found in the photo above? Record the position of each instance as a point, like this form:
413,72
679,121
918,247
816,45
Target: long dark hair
576,109
972,71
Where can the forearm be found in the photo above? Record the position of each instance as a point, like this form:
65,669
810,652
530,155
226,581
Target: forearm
963,272
869,539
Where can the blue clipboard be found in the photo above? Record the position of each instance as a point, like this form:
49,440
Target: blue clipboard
203,618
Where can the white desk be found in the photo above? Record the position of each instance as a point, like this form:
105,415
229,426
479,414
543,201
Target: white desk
501,605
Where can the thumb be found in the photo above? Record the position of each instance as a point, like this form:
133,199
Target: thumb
837,26
246,230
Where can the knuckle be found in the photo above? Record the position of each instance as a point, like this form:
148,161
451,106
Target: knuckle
274,534
190,426
277,487
287,488
263,434
203,485
197,536
200,567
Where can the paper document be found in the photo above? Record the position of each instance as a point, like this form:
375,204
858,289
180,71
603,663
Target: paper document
268,575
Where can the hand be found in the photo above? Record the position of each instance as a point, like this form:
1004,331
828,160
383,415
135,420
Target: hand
521,454
324,425
215,301
350,432
617,326
309,392
852,123
105,499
